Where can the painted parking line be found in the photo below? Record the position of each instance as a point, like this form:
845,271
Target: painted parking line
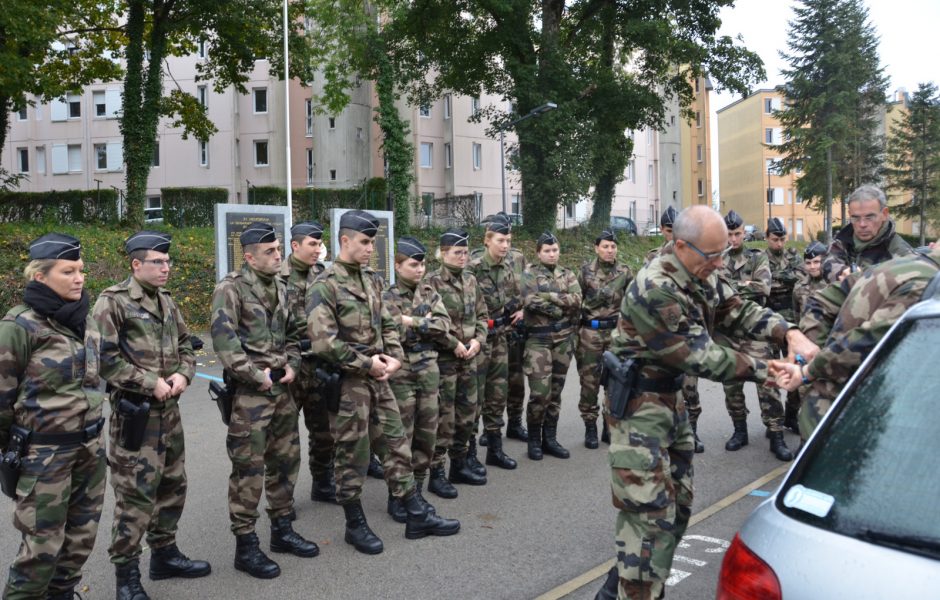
602,569
210,377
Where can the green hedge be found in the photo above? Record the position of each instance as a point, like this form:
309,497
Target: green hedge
191,207
68,206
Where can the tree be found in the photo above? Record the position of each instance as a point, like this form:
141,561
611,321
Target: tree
914,157
835,93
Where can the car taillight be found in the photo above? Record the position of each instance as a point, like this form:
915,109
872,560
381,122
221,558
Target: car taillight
744,576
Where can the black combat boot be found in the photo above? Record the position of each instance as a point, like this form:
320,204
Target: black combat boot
590,435
69,594
791,419
535,441
516,430
494,452
440,485
168,562
358,532
128,582
609,590
285,539
250,559
482,440
460,472
738,439
396,509
324,487
550,443
375,468
419,486
605,432
475,465
779,447
423,520
699,446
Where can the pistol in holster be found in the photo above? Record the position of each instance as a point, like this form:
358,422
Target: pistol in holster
133,417
330,383
619,378
11,462
223,396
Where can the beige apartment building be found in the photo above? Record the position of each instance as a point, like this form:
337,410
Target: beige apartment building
748,134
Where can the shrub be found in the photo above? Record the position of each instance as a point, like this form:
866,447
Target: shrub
68,206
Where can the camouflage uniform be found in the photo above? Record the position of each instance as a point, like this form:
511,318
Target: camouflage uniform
515,348
143,338
786,267
875,302
49,384
804,288
348,323
252,330
602,288
846,251
458,399
667,319
416,385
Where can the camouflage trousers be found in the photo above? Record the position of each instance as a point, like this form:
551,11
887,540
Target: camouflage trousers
515,401
771,409
319,439
264,446
493,381
458,406
149,484
546,365
416,387
589,357
58,504
651,483
368,417
693,403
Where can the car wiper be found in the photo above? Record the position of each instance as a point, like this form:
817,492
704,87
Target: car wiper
928,546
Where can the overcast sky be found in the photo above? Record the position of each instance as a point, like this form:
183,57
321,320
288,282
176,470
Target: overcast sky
909,32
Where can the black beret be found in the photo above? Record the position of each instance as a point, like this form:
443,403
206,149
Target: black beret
605,236
547,237
55,246
668,218
733,220
411,247
258,233
307,228
775,226
148,240
455,237
499,223
813,250
361,221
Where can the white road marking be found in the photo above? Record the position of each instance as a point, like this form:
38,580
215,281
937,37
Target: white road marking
675,576
691,561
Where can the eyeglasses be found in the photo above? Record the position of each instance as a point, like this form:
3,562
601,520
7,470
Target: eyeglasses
869,218
158,262
708,256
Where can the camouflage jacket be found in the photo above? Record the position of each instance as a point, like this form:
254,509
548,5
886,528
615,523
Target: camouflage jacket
803,289
501,289
550,296
248,334
348,321
655,252
465,305
142,338
297,277
430,321
872,306
668,318
843,251
515,259
748,265
821,308
785,269
48,377
602,288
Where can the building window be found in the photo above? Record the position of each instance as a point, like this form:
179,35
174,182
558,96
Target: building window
101,156
790,226
631,171
97,98
75,158
261,153
446,106
477,157
425,111
775,196
474,106
309,165
673,158
698,118
672,120
427,149
799,199
332,174
515,204
633,210
308,116
153,208
203,153
789,196
202,95
649,175
75,106
332,122
41,159
768,105
698,153
569,211
23,156
21,114
696,84
478,205
799,229
155,159
201,51
448,156
649,137
701,188
359,134
260,100
108,157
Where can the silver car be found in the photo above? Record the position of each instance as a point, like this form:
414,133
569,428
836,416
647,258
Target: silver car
858,515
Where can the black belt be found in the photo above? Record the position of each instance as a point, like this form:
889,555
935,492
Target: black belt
137,399
553,328
414,348
65,439
668,385
608,323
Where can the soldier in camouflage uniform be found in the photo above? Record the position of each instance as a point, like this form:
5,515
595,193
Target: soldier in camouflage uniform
668,317
748,270
811,281
298,272
603,282
146,358
422,319
875,302
350,328
552,300
258,343
457,360
49,356
503,298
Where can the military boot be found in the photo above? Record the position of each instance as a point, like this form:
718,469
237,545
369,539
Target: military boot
324,487
779,447
738,439
358,532
590,435
375,468
609,590
475,465
423,520
699,446
791,419
396,509
516,430
440,485
68,594
250,559
168,562
460,472
605,432
482,441
419,486
550,443
535,441
285,539
128,582
494,452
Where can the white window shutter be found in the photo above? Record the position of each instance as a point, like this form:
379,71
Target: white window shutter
775,103
59,110
60,158
778,136
112,102
115,156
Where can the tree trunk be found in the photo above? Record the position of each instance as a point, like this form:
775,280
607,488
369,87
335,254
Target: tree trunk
603,199
5,106
539,208
395,146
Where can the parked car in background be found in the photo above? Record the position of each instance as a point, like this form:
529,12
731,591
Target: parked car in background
654,231
856,517
752,233
623,225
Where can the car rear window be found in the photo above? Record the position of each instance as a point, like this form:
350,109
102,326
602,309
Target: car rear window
875,471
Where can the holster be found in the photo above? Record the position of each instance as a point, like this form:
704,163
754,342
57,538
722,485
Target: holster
619,378
133,422
223,396
11,463
330,383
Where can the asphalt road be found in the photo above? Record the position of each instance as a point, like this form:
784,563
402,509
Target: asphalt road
523,535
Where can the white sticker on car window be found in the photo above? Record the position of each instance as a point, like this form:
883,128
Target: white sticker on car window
807,500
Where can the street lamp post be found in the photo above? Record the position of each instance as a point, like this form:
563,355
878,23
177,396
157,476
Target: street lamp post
290,199
535,112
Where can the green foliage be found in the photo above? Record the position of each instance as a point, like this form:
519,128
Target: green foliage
191,207
67,206
315,203
399,152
